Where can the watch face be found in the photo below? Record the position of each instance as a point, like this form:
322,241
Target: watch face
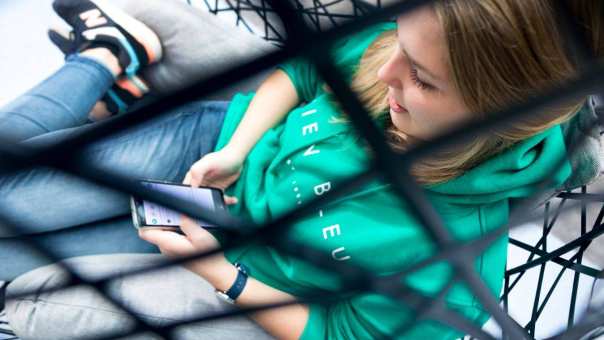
222,296
242,268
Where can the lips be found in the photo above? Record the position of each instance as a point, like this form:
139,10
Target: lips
394,106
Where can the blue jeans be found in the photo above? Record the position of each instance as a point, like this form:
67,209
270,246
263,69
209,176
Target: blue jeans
72,216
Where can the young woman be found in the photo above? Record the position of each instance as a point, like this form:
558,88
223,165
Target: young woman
436,68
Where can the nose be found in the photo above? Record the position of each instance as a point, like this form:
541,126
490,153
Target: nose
390,73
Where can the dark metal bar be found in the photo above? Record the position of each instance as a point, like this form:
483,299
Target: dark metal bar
573,301
276,227
576,45
534,317
542,239
421,207
550,292
588,197
506,291
581,241
436,308
457,322
313,40
590,322
398,172
421,310
42,250
579,268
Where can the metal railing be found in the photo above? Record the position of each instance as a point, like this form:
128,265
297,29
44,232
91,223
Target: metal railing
394,167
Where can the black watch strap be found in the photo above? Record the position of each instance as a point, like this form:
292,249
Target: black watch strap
237,287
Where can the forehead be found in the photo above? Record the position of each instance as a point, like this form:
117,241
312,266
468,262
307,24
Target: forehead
421,35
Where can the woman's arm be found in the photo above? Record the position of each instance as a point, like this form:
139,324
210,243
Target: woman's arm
273,100
283,323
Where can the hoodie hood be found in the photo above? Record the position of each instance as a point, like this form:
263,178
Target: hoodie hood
516,172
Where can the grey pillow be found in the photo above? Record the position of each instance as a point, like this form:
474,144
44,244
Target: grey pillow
196,43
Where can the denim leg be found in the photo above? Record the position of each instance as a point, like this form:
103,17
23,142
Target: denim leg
107,237
59,102
44,200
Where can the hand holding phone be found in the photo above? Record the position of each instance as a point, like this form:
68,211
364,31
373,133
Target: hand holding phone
147,214
218,169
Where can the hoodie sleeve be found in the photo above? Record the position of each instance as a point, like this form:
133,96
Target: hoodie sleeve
372,316
346,319
304,76
345,53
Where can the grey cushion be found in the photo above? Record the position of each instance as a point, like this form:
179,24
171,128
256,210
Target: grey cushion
196,44
78,311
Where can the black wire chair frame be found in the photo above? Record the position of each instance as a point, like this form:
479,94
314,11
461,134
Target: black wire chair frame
300,34
256,16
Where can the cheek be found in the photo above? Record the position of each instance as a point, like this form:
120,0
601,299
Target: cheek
419,107
429,114
434,117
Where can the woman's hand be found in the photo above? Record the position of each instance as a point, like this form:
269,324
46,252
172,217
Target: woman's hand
283,323
215,269
218,169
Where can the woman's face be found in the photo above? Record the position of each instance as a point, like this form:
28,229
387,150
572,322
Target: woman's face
423,100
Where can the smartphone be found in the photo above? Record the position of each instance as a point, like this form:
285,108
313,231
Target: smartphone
147,214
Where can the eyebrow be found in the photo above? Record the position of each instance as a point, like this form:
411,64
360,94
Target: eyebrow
421,67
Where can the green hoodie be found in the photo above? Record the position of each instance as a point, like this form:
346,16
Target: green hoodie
310,152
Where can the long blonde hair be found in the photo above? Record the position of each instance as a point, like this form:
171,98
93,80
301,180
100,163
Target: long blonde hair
500,52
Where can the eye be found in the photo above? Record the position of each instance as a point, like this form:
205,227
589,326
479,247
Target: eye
418,82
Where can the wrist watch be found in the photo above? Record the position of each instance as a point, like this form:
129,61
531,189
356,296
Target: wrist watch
233,293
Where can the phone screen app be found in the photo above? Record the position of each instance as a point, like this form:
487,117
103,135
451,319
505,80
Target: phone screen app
156,214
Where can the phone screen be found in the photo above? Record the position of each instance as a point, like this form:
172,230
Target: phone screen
157,215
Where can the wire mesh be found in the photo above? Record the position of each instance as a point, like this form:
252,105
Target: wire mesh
566,258
258,17
305,28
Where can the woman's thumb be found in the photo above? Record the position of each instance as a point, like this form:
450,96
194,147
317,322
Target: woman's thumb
230,200
197,175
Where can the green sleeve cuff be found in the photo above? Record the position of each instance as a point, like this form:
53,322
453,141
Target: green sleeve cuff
290,70
316,326
303,76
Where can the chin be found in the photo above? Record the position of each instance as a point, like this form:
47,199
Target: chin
399,120
401,123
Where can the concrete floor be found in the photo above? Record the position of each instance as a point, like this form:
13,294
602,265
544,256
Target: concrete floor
26,56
